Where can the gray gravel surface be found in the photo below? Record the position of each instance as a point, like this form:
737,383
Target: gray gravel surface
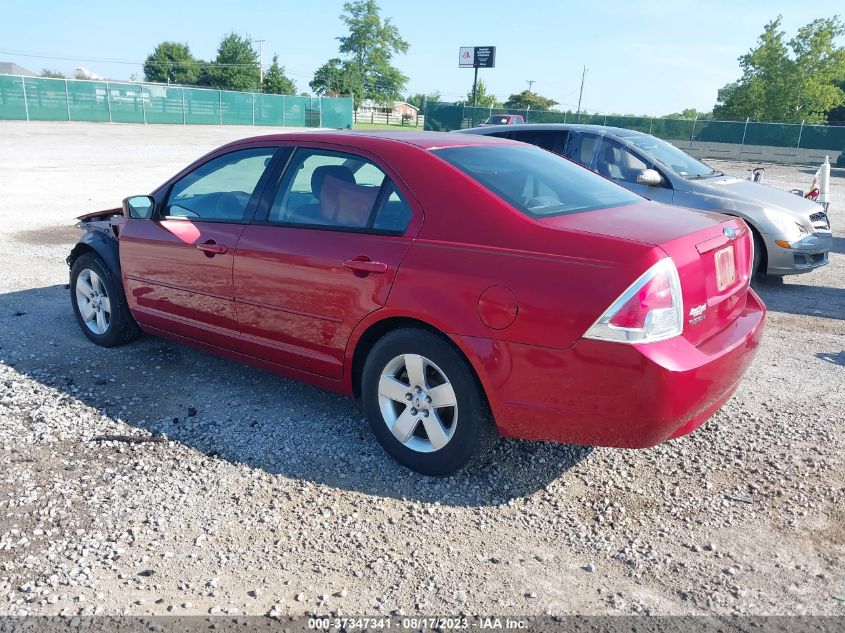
154,479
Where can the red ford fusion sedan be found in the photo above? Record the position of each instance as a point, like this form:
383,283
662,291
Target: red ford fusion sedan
464,287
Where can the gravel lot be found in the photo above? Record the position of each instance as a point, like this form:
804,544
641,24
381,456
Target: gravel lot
154,479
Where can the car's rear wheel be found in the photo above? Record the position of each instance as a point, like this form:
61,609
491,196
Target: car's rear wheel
424,403
99,303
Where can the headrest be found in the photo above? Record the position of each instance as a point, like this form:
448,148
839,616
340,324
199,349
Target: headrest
337,171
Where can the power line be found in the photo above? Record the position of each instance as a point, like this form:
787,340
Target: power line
104,60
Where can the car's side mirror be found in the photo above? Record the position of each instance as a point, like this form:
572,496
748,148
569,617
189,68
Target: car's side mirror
138,207
649,177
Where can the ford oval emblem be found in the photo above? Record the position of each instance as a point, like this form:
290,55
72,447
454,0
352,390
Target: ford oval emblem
730,232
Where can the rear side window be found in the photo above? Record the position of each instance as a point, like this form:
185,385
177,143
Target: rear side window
552,140
394,214
534,181
327,189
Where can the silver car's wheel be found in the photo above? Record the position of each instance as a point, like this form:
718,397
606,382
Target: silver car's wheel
93,301
418,403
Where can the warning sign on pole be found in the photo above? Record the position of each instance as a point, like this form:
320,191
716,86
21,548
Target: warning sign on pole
477,57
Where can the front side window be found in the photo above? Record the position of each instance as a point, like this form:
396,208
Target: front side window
670,156
616,162
535,181
330,189
220,189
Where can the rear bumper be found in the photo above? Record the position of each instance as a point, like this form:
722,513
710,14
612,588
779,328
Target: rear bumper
610,394
803,256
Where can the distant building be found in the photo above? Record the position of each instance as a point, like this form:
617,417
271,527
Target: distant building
11,68
84,73
397,108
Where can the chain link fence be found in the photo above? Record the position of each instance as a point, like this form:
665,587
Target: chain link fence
788,143
44,99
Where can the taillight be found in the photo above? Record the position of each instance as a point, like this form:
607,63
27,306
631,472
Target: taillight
651,309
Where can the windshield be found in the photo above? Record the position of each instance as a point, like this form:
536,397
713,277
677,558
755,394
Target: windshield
667,154
500,119
536,182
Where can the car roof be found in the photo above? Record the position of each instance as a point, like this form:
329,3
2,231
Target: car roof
579,127
363,139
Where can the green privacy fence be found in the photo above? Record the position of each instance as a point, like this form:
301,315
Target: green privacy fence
739,140
43,99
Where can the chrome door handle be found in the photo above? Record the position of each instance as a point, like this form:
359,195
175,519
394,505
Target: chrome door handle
212,248
365,266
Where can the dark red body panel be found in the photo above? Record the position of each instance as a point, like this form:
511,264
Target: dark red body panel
606,394
296,301
514,294
171,284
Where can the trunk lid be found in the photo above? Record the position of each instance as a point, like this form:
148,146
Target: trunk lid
712,252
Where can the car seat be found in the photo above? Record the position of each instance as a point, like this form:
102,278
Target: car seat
312,213
609,163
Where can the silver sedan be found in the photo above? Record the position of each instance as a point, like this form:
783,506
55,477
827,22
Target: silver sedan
792,235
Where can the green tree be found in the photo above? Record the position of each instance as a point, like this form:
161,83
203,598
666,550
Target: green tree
790,80
53,74
419,99
527,99
171,62
369,47
275,80
689,114
235,67
482,99
336,78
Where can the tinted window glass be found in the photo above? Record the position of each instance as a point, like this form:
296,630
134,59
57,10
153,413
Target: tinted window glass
221,188
324,188
582,149
394,214
552,140
616,162
667,154
534,181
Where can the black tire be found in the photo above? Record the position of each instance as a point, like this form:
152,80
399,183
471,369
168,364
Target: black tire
121,328
759,251
474,433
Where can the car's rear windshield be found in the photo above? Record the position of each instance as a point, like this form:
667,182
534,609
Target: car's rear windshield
536,182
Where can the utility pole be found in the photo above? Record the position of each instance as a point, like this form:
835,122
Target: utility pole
581,94
260,61
530,82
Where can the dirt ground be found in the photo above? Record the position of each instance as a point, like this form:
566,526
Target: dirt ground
154,479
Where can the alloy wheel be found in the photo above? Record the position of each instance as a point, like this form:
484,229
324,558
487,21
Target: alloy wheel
418,403
93,301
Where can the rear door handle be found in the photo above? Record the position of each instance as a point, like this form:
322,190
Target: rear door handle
213,248
365,266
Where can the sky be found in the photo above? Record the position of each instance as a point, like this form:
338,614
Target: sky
644,58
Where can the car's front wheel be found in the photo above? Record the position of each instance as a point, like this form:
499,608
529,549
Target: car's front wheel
424,403
99,302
